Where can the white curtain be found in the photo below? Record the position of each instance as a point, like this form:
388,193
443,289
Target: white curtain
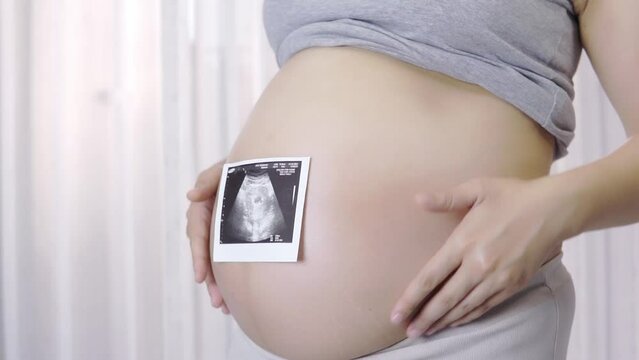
108,109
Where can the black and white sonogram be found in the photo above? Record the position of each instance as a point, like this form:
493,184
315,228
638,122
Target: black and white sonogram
256,199
259,209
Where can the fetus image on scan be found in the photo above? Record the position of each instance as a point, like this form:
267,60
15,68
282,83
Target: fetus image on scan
255,207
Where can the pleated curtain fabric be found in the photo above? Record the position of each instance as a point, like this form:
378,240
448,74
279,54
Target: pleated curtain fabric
109,109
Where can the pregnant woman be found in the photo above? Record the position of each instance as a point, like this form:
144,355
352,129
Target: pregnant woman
432,228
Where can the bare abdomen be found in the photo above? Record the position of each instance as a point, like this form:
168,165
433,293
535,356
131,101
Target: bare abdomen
377,130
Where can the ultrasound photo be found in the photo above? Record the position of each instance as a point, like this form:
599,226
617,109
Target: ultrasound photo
259,209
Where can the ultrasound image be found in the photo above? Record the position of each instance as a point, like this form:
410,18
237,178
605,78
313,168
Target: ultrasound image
259,203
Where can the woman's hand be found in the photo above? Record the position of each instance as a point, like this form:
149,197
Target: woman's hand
512,227
198,226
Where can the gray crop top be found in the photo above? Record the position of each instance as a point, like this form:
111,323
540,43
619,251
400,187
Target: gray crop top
523,51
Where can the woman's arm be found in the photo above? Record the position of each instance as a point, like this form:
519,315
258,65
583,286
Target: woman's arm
513,226
605,193
608,189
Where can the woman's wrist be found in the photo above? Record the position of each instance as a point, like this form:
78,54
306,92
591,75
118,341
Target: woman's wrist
601,194
570,208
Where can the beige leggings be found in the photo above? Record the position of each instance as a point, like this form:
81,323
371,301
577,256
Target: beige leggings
532,324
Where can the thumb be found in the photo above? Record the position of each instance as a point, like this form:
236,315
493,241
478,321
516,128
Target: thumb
460,197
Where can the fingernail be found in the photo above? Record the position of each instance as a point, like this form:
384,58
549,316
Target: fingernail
413,331
431,331
396,318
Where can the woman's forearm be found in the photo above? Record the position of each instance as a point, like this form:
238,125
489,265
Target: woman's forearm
604,193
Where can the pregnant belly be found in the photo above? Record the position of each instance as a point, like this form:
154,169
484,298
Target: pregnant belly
378,131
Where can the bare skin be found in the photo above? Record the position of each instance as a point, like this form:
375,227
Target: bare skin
387,132
602,194
357,290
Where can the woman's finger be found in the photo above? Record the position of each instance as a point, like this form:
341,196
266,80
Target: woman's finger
436,270
202,193
505,282
453,291
460,197
207,183
480,310
225,309
476,297
198,231
213,290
